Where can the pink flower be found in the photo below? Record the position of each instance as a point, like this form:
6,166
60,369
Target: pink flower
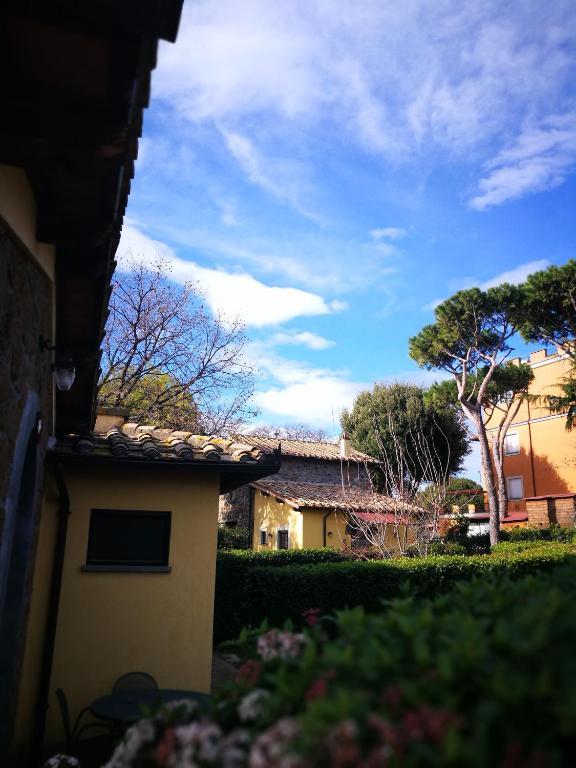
317,690
280,645
311,616
165,748
249,673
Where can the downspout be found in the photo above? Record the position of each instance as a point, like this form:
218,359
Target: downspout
52,618
326,516
531,451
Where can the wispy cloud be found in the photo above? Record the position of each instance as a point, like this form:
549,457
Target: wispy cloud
302,338
285,179
389,233
541,158
405,75
513,276
232,294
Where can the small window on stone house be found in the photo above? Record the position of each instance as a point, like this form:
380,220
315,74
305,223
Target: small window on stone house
283,539
263,537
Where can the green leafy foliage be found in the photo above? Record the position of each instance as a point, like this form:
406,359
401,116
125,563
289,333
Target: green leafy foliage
260,591
392,421
484,675
550,307
233,538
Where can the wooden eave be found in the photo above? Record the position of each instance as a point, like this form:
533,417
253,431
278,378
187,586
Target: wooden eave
75,79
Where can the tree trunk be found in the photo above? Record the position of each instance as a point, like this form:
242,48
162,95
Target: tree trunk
498,451
487,468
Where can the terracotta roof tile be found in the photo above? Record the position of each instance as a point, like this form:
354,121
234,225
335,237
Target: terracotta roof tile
327,496
305,449
150,443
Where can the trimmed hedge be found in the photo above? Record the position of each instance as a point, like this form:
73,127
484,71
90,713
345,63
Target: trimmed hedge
553,533
278,594
232,598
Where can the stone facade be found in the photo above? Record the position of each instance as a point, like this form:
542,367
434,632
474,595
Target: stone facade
25,422
25,315
546,510
235,507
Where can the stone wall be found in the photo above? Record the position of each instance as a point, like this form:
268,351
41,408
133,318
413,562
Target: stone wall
546,510
25,315
25,423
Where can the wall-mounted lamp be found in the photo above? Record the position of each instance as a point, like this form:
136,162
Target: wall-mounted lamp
63,366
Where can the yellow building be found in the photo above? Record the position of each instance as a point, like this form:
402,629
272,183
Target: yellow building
295,515
128,542
75,80
539,454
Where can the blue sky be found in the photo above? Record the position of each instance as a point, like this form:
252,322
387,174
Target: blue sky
329,169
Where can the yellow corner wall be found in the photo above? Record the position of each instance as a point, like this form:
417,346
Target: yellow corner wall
313,529
18,209
112,623
305,526
273,515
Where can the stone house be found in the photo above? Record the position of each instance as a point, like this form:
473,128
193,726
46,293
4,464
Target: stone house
303,461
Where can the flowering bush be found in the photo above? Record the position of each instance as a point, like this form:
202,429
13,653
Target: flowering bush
482,676
62,761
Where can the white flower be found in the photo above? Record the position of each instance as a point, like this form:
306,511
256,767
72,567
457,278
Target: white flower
250,707
62,761
280,645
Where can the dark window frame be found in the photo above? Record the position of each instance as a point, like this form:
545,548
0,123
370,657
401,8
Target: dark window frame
132,561
281,534
263,537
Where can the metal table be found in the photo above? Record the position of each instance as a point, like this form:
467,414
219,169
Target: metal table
127,706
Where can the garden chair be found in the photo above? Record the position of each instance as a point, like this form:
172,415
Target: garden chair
135,681
91,749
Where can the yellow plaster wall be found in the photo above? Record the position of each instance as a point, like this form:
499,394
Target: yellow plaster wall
18,209
112,623
273,515
313,529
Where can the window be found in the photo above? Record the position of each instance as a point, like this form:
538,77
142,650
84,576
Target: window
515,488
128,540
283,539
512,444
263,537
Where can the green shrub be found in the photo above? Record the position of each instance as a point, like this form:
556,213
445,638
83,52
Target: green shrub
232,597
484,675
443,547
233,538
278,594
554,533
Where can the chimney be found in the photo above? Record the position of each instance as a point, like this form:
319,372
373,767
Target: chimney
108,418
345,447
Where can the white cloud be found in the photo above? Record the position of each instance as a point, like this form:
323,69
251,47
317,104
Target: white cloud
389,233
233,294
303,393
303,338
300,392
513,276
541,158
517,275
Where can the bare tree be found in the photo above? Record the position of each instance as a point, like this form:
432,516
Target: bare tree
170,361
291,432
413,504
